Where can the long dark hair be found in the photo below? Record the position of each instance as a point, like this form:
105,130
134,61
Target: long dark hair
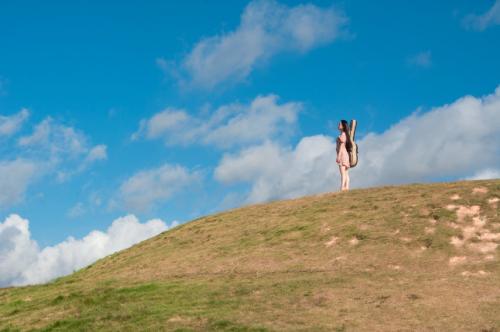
345,129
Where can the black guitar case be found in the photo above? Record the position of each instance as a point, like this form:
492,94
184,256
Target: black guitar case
353,154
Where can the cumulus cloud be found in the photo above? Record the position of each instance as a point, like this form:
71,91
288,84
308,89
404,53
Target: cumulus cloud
23,262
422,59
266,28
161,123
9,125
481,22
277,171
146,188
449,141
230,125
456,140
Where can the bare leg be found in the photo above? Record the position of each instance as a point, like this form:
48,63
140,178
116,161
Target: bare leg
348,179
342,177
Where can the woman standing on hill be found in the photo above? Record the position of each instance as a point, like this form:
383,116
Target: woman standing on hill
344,146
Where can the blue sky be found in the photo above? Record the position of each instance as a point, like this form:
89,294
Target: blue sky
176,110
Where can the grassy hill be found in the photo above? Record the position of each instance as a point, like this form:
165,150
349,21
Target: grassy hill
420,257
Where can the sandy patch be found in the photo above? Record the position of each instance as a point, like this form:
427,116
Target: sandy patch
469,231
451,207
479,222
429,230
475,230
354,241
493,201
455,197
332,241
456,260
466,211
480,190
457,242
177,318
483,247
475,274
405,239
486,235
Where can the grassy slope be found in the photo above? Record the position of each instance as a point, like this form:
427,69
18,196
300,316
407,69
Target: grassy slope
368,259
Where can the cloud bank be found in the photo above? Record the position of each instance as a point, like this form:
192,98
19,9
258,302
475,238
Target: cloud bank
457,140
280,172
22,262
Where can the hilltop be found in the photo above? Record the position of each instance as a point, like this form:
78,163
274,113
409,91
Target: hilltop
394,258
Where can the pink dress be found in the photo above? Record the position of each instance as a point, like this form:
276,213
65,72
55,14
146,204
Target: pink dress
342,154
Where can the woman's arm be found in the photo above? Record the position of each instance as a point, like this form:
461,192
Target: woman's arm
337,148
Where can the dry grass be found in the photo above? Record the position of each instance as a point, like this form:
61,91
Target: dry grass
420,257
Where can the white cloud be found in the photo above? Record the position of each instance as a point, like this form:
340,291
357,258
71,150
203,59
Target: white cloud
485,174
453,140
77,210
230,125
161,123
422,59
22,262
481,22
55,140
146,188
98,152
9,125
282,172
63,149
15,177
266,28
51,149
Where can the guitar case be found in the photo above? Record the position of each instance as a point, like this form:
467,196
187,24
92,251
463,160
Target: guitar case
353,154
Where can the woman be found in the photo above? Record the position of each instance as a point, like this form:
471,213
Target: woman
344,146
